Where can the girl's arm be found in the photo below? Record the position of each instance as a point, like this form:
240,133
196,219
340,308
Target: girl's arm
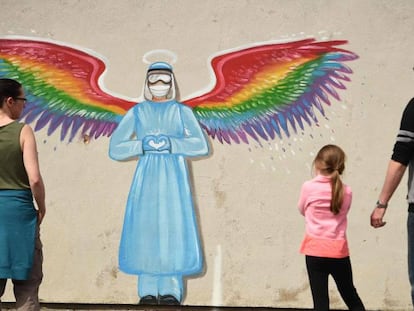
302,200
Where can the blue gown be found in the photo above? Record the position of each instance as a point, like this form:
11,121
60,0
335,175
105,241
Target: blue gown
159,235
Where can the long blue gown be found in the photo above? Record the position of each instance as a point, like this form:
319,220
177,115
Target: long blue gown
160,235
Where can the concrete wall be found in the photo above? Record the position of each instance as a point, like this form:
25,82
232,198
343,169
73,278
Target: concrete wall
246,194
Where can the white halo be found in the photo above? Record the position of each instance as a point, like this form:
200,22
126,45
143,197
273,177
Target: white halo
159,55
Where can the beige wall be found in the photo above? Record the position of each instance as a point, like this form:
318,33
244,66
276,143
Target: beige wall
246,195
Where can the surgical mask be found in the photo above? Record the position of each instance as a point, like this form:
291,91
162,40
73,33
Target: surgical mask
159,90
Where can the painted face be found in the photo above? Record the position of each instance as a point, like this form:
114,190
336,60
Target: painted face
159,84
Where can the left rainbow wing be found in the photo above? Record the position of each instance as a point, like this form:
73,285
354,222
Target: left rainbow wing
261,90
62,88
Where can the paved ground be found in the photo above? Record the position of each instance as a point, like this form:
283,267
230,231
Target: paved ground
88,307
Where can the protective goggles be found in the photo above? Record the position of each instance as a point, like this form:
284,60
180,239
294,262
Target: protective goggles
164,78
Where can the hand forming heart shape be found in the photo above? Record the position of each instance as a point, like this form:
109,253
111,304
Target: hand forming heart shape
157,142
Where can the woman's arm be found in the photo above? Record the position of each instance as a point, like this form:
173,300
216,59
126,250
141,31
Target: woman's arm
31,163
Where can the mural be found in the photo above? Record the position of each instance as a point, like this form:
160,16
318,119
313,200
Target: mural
159,240
260,93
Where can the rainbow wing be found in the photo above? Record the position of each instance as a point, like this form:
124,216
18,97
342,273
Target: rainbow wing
262,91
61,84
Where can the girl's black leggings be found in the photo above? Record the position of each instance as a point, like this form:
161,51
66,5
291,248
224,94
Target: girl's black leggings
319,269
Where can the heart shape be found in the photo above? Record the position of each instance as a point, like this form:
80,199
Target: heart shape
156,144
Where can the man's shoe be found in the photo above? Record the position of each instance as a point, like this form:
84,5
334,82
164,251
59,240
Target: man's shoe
148,300
169,300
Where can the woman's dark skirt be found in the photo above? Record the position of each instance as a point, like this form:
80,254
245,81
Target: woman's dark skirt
18,220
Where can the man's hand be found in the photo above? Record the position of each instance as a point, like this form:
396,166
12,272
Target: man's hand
376,217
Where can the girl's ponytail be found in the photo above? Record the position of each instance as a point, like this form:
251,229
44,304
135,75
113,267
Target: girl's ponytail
331,160
337,192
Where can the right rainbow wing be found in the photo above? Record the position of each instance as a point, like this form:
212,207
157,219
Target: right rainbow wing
62,87
263,91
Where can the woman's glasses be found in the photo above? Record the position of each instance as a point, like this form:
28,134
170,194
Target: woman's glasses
24,99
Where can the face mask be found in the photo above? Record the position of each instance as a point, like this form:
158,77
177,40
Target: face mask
159,90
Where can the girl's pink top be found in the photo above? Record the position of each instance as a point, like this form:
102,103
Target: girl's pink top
325,232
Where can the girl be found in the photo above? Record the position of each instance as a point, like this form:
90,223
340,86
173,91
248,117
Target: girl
325,202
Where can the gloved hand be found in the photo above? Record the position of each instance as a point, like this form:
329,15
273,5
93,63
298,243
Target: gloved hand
156,143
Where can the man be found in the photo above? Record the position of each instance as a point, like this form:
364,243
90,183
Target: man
403,156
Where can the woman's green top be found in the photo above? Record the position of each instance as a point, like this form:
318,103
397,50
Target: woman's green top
12,171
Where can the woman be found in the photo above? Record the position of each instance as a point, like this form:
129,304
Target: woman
20,181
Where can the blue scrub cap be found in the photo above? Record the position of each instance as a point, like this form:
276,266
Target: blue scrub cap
160,66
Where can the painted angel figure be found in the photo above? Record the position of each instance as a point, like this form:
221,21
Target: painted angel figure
159,241
260,93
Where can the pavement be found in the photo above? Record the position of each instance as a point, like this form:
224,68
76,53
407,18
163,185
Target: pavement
94,307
